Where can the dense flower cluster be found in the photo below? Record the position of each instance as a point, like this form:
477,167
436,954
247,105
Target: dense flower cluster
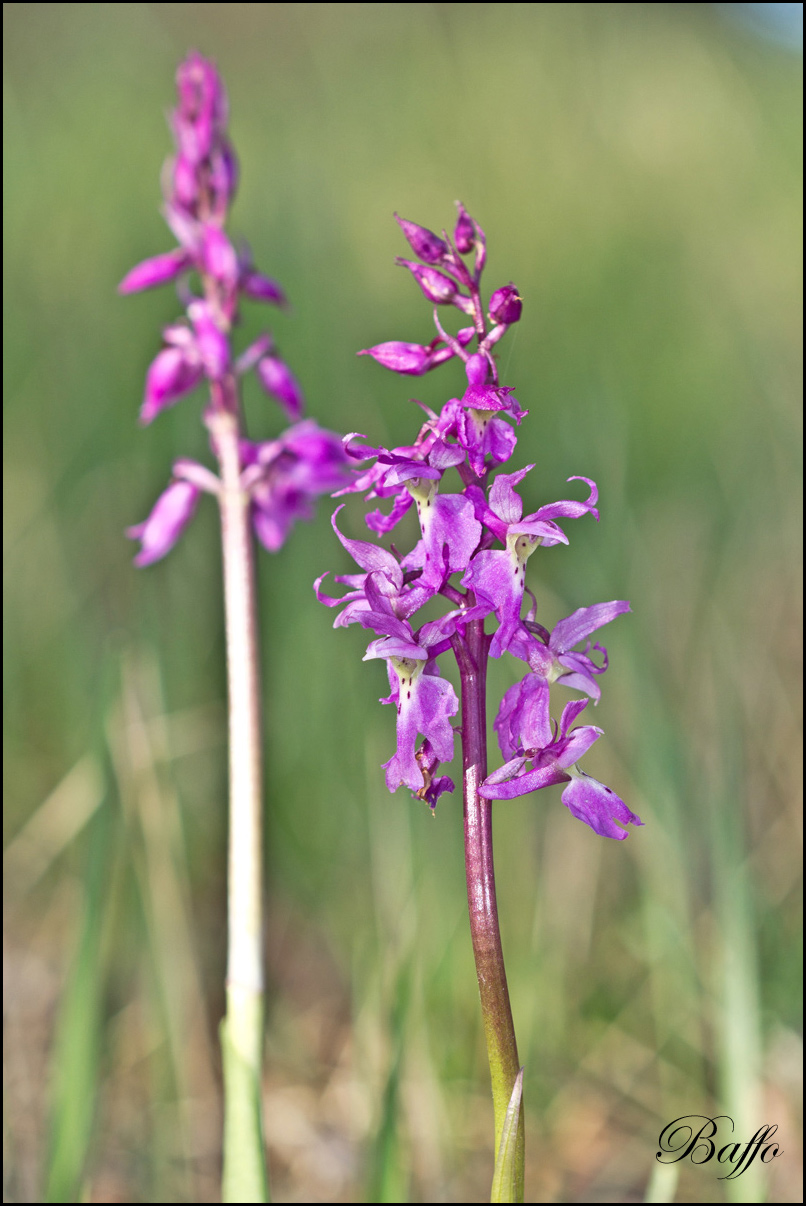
473,548
282,476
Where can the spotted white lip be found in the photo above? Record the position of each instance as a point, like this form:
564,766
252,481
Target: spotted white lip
520,547
408,669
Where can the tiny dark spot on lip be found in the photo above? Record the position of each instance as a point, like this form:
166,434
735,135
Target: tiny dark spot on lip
408,696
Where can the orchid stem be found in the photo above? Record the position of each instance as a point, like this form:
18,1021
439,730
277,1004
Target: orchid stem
502,1048
244,1175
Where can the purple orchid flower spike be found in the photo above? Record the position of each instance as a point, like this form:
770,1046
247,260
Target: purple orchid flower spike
474,543
262,488
459,529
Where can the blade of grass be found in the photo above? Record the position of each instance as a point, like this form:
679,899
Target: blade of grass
507,1173
75,1061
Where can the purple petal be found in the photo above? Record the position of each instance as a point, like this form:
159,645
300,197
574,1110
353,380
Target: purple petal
425,705
262,288
598,806
451,534
506,305
503,499
489,397
580,670
380,523
185,229
523,720
547,531
212,343
571,748
569,508
583,622
156,271
395,646
423,242
277,379
250,356
496,578
219,255
273,519
169,376
286,475
369,556
572,709
521,785
170,515
437,288
445,456
409,358
463,234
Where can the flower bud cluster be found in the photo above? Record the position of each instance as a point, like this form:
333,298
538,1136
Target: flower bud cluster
474,544
283,476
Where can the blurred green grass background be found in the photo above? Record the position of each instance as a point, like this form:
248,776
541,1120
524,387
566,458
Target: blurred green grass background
637,171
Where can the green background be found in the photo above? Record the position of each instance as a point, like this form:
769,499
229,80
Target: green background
637,171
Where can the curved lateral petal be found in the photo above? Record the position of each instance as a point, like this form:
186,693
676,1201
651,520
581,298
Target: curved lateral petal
522,785
369,556
585,620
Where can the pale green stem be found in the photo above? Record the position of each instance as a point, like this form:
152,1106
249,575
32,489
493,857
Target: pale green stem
244,1175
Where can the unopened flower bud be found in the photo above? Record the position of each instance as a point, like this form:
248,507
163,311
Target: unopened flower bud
219,255
156,271
211,342
410,358
505,305
423,242
202,113
184,187
261,288
277,379
223,178
173,372
464,234
477,369
437,287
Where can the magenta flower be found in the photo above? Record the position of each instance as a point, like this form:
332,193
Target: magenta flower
553,657
497,578
425,702
555,762
285,476
382,588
